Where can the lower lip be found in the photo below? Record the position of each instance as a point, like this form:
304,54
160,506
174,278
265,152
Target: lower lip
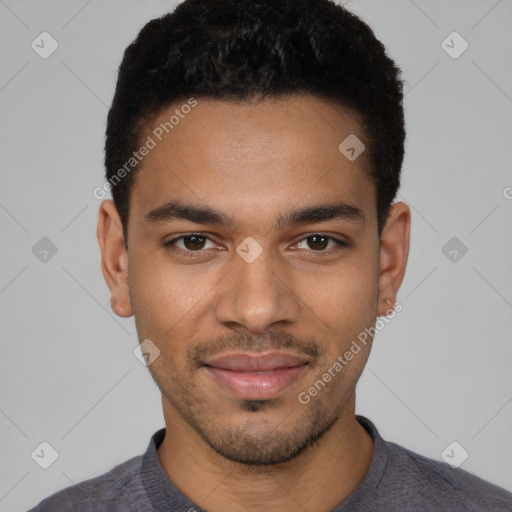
256,385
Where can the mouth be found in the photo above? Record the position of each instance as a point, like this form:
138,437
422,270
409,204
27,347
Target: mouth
253,376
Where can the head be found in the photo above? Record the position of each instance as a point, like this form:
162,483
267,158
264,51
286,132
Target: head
254,151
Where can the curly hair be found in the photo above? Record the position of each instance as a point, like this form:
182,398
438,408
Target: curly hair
239,50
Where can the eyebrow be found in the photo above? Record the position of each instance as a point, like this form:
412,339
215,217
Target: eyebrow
200,214
194,213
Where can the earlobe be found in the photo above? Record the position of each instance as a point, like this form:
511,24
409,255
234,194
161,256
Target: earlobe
394,252
114,258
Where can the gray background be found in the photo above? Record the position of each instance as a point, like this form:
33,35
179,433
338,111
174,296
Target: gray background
439,372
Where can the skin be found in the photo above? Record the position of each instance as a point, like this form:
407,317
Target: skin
255,162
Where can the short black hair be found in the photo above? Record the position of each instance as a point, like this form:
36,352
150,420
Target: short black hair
242,50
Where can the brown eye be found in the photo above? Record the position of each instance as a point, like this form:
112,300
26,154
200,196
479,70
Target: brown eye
194,242
317,242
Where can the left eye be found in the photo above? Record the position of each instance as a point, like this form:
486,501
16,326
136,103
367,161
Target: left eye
191,243
318,242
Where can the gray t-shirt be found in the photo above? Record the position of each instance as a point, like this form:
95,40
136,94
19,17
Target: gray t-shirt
397,480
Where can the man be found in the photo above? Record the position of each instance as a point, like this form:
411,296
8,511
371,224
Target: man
253,151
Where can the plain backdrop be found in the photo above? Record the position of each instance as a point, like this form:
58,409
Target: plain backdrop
438,373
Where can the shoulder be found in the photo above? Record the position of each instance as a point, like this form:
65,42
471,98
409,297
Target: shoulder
422,480
113,490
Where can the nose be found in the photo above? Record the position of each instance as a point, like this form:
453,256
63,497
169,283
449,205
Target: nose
257,295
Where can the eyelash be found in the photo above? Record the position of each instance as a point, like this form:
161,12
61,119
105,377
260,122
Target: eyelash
171,244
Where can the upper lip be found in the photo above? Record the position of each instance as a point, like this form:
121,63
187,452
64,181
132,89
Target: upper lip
254,362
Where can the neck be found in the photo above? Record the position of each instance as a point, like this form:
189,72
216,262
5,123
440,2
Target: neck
319,479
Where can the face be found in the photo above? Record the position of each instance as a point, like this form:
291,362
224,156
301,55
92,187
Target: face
253,265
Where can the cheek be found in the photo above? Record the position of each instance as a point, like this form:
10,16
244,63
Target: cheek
342,307
165,299
345,294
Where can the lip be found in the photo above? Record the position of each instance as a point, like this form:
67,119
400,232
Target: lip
252,376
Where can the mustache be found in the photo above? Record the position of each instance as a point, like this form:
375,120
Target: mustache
238,341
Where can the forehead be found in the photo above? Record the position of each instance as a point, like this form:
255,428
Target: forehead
262,155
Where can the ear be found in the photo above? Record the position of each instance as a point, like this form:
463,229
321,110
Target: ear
114,258
394,251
